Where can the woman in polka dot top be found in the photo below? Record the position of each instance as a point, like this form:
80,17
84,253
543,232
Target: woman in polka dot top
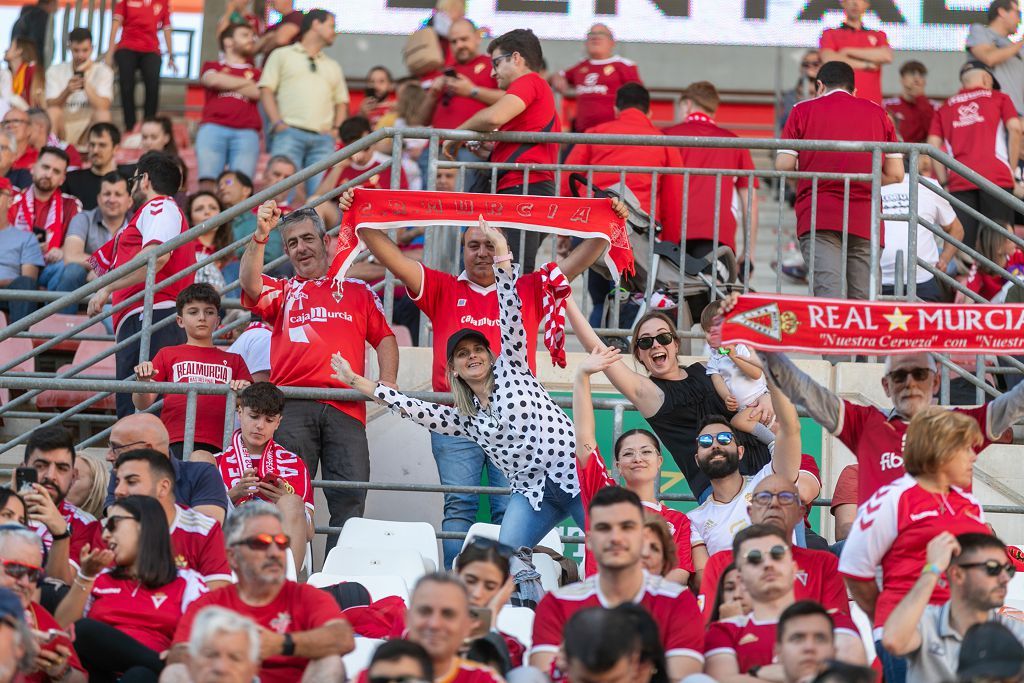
504,408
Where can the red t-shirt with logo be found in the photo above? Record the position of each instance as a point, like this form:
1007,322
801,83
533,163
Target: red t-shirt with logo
453,303
140,21
459,109
752,642
972,125
309,325
44,621
197,365
596,82
913,119
846,492
538,116
231,108
868,83
876,439
297,608
836,115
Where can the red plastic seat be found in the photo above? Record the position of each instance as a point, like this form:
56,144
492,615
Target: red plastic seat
61,399
9,350
62,322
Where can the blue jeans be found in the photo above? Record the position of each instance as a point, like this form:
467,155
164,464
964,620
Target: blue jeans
16,310
303,148
524,526
62,277
460,462
219,148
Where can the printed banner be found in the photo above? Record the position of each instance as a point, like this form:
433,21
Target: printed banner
835,326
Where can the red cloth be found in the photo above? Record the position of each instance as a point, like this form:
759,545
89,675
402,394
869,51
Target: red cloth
913,119
149,615
753,642
670,187
379,619
229,107
845,492
27,159
459,109
44,621
868,83
83,526
596,82
140,21
893,529
309,325
197,365
539,115
49,220
274,459
983,283
463,671
296,608
700,216
972,125
837,115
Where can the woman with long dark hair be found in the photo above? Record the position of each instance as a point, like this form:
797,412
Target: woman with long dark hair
12,507
199,207
125,615
484,566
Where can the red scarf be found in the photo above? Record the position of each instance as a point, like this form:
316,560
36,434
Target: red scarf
22,215
836,326
556,290
236,460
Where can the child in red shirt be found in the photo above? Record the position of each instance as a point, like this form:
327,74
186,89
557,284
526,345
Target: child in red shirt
197,361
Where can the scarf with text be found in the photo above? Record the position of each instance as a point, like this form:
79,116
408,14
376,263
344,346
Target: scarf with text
22,215
236,460
835,326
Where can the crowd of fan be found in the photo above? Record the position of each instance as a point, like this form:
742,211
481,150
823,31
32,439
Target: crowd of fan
151,565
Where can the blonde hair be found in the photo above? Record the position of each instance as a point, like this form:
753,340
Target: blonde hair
669,551
97,494
934,436
462,395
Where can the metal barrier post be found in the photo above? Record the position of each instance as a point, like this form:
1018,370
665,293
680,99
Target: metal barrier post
191,398
876,199
912,196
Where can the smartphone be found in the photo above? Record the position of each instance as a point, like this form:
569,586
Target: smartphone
79,74
24,477
483,619
50,635
450,73
270,478
370,92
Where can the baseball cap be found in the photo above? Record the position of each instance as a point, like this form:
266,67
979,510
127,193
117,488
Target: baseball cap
990,649
464,333
972,64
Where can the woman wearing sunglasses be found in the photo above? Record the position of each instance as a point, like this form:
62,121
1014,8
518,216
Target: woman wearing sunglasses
504,408
484,566
637,457
125,616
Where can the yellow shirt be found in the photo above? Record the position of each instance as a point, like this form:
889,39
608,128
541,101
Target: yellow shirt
306,97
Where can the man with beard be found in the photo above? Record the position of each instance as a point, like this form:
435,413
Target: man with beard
79,92
156,180
930,636
102,143
303,633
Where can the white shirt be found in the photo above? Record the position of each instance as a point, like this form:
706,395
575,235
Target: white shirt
97,74
745,389
930,207
717,523
253,346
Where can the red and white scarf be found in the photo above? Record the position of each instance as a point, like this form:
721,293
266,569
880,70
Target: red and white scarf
22,215
556,290
236,460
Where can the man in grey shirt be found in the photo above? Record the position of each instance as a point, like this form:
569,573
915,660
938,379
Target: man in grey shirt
20,257
991,44
978,571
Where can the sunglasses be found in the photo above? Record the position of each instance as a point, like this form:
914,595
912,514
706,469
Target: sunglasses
756,557
764,498
18,570
992,567
110,523
665,338
919,375
264,541
484,543
497,60
723,438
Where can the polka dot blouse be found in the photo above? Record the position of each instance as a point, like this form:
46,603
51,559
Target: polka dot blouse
522,430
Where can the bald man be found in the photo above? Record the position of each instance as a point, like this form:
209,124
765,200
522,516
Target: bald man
197,485
775,501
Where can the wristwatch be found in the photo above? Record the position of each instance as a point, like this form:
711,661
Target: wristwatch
474,92
61,537
288,646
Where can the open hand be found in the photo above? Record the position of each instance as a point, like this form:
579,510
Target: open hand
342,369
92,562
600,359
496,237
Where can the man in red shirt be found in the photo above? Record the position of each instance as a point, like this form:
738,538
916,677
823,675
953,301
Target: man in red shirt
157,178
911,110
615,537
835,114
595,81
844,502
699,103
862,49
135,46
303,633
979,127
468,86
312,318
229,133
528,106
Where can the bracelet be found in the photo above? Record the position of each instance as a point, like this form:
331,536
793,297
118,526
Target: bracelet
258,241
931,568
85,577
503,259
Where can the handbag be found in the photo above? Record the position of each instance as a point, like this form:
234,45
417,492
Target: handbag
422,52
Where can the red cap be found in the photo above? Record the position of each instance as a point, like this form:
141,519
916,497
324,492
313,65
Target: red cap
1016,556
5,184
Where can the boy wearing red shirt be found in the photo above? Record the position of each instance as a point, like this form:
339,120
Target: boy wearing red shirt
863,49
197,361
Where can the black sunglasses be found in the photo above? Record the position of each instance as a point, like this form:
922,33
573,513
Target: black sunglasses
919,375
110,523
992,567
264,541
764,498
756,557
484,543
665,338
17,570
723,438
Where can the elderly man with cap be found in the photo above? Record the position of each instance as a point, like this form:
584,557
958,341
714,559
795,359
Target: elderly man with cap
17,646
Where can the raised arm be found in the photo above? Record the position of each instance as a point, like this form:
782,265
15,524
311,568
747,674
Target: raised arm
387,252
788,446
1004,411
587,252
900,635
510,306
250,270
583,404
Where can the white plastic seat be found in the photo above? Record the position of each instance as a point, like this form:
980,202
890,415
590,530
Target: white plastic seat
359,658
518,623
551,539
866,629
548,569
375,561
379,586
419,536
1015,592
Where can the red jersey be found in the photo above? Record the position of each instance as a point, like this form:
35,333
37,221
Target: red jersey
49,220
700,216
231,108
297,608
913,119
197,365
149,615
596,82
463,671
309,325
846,492
836,115
868,83
752,642
672,606
539,116
26,160
815,577
453,303
156,222
972,125
140,21
876,439
381,181
272,460
595,476
83,527
38,618
670,187
458,109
